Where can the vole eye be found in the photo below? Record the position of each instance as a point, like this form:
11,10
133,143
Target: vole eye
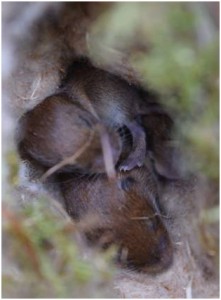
127,183
151,224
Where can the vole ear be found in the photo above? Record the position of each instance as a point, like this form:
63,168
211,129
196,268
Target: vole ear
158,126
167,161
126,183
161,145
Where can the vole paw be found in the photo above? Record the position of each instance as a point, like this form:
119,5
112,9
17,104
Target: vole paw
130,164
124,168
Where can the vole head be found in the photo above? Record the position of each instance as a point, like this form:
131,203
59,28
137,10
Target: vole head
130,219
144,241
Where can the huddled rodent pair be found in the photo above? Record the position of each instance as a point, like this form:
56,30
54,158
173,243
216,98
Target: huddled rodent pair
91,96
126,207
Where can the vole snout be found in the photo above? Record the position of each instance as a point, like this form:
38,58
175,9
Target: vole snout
147,248
162,256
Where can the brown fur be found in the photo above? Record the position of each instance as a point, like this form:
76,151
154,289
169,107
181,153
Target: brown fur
127,215
111,100
125,212
56,129
162,146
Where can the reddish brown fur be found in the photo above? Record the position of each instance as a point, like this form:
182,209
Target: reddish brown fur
126,209
56,129
125,213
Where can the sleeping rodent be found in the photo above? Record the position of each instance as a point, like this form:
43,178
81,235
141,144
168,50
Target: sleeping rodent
127,210
62,123
125,213
56,129
110,99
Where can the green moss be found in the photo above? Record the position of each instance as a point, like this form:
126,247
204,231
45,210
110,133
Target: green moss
49,261
12,161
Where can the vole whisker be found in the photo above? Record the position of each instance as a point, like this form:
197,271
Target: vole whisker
150,217
36,83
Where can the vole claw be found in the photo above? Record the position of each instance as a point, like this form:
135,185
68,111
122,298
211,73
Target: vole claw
130,164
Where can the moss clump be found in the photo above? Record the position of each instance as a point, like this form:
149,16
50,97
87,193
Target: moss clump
41,249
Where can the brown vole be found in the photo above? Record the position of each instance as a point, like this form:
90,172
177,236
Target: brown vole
125,213
126,209
61,124
56,129
111,100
